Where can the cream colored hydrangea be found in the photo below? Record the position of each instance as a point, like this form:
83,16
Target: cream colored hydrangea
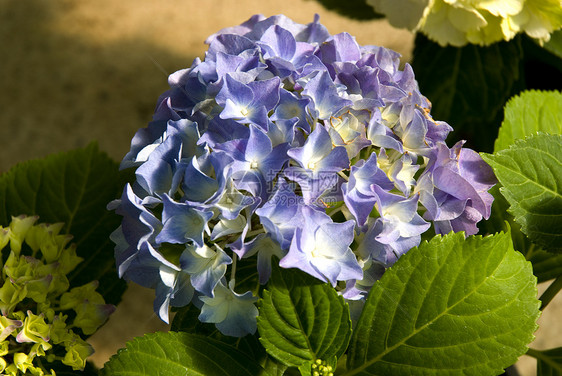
483,22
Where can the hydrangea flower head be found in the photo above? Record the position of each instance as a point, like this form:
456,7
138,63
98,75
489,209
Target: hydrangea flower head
483,22
35,302
287,141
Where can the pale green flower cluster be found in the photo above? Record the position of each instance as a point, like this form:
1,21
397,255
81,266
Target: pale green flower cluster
458,22
40,318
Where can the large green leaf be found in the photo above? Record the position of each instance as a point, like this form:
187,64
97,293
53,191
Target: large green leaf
546,265
180,354
529,113
302,319
549,362
449,307
530,172
72,187
468,86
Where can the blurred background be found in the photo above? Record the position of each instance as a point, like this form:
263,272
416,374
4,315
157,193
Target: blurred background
72,72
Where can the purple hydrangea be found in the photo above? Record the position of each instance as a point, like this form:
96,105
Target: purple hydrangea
287,144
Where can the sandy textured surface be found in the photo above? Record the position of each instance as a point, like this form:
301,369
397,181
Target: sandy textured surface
76,71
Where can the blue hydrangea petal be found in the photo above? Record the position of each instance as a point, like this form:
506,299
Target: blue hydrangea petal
318,153
182,223
230,44
205,266
290,106
198,187
342,47
318,251
281,214
325,101
233,314
174,289
278,42
264,246
266,92
232,201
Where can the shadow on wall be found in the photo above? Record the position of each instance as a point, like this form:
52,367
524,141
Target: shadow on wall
60,92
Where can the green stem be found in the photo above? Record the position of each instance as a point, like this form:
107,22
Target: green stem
534,353
233,270
530,252
540,356
551,292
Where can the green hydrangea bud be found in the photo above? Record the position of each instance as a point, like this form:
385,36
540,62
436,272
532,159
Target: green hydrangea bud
35,330
4,237
24,363
3,351
68,260
11,370
39,288
18,230
3,364
19,269
43,235
35,276
59,281
59,330
10,296
46,238
89,305
77,352
8,326
4,347
78,295
90,316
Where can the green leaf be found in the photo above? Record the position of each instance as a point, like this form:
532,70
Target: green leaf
546,265
549,362
449,307
354,9
497,222
274,367
302,319
554,45
72,187
180,354
530,172
468,86
529,113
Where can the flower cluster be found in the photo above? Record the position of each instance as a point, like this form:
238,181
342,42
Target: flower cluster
287,141
36,303
483,22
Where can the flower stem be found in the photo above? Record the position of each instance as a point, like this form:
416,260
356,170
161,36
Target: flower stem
255,232
233,270
551,292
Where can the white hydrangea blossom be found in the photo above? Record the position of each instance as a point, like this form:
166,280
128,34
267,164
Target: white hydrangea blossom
483,22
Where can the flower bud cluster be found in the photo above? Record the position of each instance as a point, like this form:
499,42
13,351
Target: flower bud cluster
40,317
483,22
287,141
321,368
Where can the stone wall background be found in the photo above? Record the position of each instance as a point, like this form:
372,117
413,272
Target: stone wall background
72,72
